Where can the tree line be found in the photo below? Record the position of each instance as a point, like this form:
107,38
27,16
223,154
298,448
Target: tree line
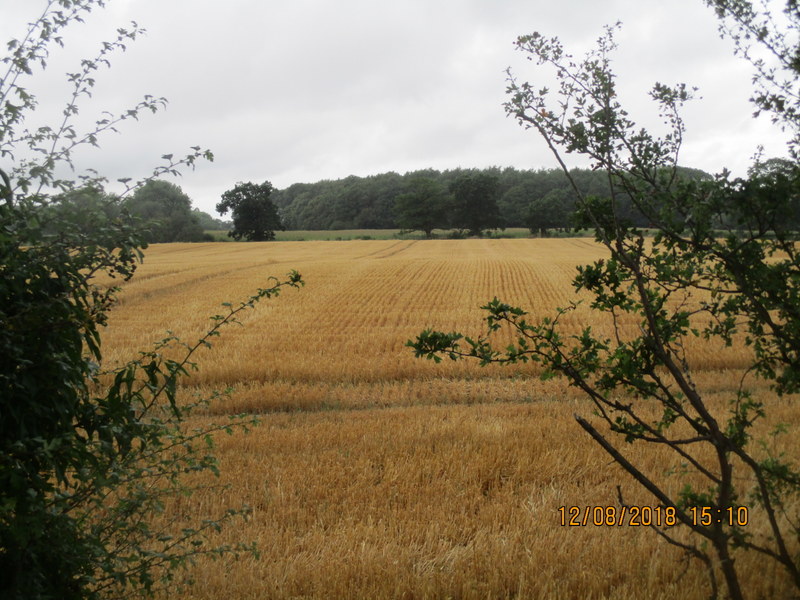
465,200
161,210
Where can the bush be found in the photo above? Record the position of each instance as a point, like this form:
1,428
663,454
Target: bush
87,457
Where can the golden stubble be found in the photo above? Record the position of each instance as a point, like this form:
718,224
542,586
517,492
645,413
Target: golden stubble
374,474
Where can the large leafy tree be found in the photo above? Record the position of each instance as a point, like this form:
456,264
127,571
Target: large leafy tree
166,213
723,265
550,211
423,206
255,217
474,207
90,206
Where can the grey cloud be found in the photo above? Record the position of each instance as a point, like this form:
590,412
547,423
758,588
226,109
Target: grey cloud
309,89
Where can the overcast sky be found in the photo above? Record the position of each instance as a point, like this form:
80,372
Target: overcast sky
303,90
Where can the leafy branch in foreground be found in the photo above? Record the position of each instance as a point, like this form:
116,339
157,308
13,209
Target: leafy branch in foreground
37,151
141,462
722,266
88,459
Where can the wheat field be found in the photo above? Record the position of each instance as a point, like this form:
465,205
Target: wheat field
373,474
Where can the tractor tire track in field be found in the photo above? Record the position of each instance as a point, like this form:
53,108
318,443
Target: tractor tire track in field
395,248
150,286
358,308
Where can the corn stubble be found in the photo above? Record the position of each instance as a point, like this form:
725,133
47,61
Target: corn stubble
374,474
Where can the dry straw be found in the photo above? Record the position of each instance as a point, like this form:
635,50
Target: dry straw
376,475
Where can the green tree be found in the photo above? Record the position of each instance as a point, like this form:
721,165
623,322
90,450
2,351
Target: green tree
550,211
475,206
378,212
423,207
89,206
369,202
166,213
350,198
722,266
255,217
515,203
207,222
88,457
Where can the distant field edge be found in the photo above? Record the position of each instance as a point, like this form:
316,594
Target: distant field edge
304,235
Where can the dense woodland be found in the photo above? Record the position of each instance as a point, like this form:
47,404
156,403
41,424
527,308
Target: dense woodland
538,199
462,201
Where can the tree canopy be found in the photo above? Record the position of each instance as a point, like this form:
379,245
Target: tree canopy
255,217
475,206
551,210
372,202
165,212
424,206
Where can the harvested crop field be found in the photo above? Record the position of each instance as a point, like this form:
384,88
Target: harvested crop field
373,474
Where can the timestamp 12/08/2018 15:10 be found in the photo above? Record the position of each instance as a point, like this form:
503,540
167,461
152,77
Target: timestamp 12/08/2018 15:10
646,516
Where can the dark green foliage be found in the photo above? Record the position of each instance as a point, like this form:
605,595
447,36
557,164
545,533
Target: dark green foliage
88,207
88,457
50,316
209,223
723,265
475,206
85,464
360,202
423,207
349,203
550,211
255,217
165,213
